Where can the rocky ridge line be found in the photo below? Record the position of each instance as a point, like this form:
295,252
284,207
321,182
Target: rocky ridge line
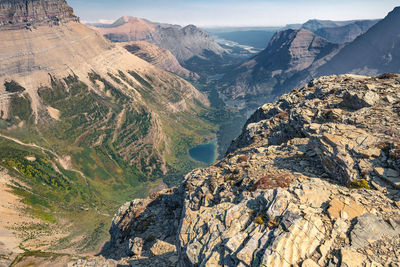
312,181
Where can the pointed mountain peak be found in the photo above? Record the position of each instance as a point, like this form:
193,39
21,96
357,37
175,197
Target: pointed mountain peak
24,13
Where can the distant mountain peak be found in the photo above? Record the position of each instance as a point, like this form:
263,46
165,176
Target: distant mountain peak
128,20
23,13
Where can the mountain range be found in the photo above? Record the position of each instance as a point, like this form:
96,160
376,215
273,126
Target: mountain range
335,31
376,51
183,42
290,58
294,56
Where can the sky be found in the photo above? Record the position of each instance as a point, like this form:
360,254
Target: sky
208,13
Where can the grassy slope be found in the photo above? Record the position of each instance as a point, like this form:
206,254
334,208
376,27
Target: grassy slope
83,202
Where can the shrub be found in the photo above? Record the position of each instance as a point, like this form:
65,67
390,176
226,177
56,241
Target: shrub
360,183
259,220
21,107
139,78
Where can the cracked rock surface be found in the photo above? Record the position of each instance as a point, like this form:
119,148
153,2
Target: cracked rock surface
313,180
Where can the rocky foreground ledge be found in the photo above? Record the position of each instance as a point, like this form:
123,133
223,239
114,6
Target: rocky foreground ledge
312,181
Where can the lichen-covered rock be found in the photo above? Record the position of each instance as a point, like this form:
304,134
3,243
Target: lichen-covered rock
294,189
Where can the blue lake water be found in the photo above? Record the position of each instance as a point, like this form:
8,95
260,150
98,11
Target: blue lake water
206,153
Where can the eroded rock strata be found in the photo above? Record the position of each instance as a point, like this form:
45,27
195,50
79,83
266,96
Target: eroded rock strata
25,13
312,181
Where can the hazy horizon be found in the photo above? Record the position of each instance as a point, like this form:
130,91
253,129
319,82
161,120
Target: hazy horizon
234,13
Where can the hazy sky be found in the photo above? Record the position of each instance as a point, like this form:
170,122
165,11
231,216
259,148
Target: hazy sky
232,12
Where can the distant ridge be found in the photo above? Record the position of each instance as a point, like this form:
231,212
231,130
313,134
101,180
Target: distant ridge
347,33
184,42
336,31
376,51
295,56
289,58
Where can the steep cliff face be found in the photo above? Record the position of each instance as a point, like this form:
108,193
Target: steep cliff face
314,180
23,13
183,42
288,60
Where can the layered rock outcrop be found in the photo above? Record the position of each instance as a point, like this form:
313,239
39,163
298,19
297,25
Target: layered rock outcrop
25,13
312,181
